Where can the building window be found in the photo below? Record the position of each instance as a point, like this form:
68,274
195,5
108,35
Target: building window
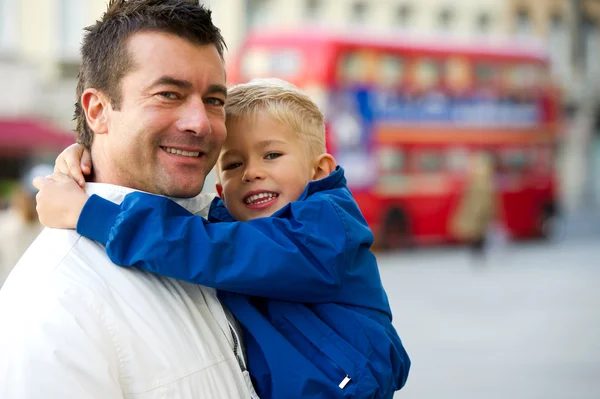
558,40
445,19
591,51
312,10
556,22
404,15
8,24
523,23
483,23
257,12
359,12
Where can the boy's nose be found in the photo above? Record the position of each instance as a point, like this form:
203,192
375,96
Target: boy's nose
254,173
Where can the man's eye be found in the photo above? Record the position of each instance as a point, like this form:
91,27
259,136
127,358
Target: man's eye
232,166
169,95
273,155
215,101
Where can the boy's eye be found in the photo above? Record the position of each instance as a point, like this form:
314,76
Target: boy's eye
273,155
232,166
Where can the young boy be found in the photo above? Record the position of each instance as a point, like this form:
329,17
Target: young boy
285,244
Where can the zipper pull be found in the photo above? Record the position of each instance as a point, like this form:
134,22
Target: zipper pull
344,382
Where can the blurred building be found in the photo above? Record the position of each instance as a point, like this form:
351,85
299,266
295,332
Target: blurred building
39,54
464,18
39,42
39,45
571,30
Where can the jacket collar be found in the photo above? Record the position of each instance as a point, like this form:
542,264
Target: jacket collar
219,213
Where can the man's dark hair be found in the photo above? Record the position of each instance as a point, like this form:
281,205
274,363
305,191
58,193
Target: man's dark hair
104,56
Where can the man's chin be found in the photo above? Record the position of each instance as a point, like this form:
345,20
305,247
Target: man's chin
183,193
180,191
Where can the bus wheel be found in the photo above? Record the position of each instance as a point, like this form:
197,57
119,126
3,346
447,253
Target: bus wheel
395,230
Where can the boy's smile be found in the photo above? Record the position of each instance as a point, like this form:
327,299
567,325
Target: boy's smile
259,198
263,166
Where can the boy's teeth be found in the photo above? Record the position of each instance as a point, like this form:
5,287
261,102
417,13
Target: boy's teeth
179,152
261,196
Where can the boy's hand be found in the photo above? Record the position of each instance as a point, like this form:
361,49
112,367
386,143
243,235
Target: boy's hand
74,161
59,201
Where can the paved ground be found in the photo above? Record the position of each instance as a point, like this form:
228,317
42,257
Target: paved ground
524,325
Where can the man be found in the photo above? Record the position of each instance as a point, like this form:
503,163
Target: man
150,108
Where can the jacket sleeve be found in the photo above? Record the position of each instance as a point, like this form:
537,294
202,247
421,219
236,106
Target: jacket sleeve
56,349
298,255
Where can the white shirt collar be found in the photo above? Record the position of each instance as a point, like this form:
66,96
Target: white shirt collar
198,205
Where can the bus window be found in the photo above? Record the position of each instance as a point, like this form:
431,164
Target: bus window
458,159
523,76
486,75
391,160
255,63
427,74
352,68
391,71
359,67
514,161
430,162
458,74
286,63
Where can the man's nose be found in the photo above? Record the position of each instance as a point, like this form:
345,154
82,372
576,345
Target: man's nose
194,119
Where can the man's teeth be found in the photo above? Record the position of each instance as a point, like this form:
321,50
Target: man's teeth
260,198
179,152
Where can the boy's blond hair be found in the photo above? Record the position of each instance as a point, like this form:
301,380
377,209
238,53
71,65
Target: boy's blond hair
285,103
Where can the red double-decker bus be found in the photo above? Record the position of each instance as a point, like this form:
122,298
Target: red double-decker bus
404,117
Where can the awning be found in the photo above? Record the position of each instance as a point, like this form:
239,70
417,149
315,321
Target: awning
21,137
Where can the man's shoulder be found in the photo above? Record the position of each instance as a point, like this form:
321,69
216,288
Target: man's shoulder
49,280
53,260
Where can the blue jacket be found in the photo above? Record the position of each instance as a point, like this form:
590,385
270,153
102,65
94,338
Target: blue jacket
303,284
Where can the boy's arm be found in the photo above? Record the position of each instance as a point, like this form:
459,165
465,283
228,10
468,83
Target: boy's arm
298,258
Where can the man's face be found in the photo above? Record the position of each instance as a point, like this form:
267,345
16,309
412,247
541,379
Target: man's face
263,166
168,132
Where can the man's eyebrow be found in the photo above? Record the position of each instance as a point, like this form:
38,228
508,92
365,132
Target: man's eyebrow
171,81
217,89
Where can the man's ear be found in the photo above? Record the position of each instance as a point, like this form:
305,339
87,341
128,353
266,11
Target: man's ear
95,105
324,166
220,190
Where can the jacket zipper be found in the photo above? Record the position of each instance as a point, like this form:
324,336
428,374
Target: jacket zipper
236,346
245,373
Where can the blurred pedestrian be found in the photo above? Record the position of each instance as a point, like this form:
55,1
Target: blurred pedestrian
476,212
19,224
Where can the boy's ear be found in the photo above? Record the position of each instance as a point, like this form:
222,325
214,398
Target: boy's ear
95,105
219,190
324,166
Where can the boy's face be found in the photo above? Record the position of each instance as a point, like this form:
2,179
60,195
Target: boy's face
263,166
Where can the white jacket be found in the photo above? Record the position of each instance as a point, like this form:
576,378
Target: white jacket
74,325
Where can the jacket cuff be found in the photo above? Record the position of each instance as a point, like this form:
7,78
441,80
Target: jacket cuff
97,218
